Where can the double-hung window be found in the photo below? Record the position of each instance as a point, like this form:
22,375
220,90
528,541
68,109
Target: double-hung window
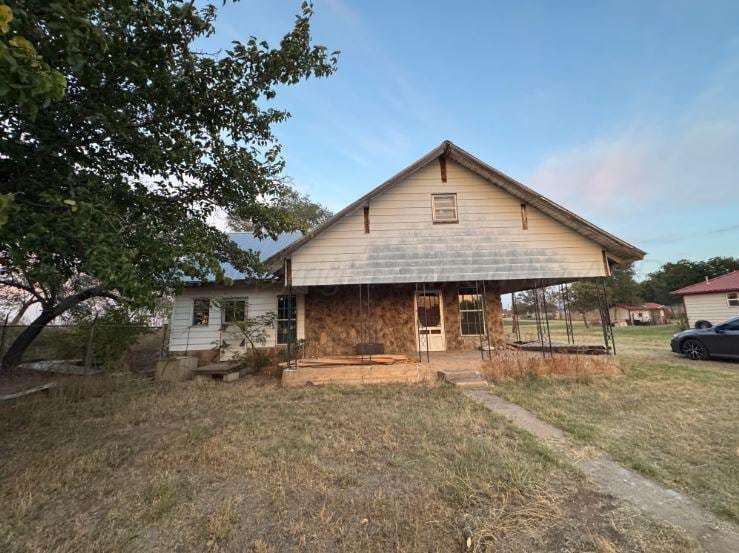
471,315
234,310
287,319
732,299
200,311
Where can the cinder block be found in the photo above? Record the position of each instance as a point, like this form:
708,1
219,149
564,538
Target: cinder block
230,377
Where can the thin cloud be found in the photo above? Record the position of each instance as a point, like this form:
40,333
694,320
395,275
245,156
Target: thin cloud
651,167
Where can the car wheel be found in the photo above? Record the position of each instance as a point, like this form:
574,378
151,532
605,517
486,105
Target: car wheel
693,349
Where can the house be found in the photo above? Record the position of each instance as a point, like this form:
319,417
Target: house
418,263
648,313
714,300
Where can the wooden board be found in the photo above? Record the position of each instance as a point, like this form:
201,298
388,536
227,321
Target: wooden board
43,388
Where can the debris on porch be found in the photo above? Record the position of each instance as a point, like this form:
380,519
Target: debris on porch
559,347
344,360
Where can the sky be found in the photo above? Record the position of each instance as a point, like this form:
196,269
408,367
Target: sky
626,113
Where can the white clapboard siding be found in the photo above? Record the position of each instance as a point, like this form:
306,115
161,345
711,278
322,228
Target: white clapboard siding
709,307
261,299
404,245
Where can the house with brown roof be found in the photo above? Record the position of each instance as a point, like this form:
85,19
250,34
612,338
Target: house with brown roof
715,300
419,263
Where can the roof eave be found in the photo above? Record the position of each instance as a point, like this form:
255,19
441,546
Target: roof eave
620,250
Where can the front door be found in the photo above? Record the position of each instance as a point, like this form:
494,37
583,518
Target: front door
430,321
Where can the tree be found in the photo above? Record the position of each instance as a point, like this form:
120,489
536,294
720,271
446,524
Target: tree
671,276
295,207
584,298
622,286
113,185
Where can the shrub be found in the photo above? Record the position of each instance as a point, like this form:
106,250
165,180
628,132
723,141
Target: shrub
510,364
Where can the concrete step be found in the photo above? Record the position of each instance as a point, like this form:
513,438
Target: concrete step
468,379
458,373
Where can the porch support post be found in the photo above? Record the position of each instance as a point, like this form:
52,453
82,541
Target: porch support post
479,322
605,316
369,324
485,321
426,320
567,312
417,322
537,315
361,325
514,312
546,320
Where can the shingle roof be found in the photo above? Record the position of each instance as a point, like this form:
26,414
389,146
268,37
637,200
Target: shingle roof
266,248
724,283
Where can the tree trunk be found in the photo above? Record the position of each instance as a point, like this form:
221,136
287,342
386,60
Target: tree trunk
585,320
14,355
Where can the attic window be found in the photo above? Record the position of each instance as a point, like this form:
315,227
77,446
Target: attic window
732,299
444,208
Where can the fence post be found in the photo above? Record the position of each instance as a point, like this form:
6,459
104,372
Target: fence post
163,345
88,347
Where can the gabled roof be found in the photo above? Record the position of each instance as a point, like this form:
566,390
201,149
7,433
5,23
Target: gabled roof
646,306
266,247
620,250
724,283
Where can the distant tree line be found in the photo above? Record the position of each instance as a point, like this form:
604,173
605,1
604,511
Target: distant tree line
622,287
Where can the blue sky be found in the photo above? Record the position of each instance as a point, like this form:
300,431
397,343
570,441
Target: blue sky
627,113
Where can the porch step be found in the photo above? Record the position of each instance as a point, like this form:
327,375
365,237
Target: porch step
468,379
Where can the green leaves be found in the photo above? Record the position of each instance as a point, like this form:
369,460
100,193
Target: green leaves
6,16
121,140
33,34
6,201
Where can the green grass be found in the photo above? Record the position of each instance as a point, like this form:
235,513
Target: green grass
252,467
672,419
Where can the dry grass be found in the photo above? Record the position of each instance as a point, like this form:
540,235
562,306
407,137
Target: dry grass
103,466
673,420
513,364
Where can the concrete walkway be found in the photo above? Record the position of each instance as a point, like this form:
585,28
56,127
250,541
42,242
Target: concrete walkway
716,536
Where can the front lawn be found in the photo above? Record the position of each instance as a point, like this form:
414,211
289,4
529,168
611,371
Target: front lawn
672,419
252,467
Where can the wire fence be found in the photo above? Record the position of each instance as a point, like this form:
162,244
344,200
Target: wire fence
92,347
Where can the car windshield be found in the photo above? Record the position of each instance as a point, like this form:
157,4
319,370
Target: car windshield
732,321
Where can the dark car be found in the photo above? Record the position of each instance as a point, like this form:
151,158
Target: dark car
716,341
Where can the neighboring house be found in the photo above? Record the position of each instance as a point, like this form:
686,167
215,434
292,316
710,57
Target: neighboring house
714,300
647,313
419,262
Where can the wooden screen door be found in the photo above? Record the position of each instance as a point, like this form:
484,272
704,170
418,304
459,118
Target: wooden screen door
430,320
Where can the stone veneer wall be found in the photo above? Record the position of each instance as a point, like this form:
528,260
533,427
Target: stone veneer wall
333,322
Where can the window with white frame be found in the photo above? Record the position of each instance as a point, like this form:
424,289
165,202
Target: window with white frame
287,319
471,315
444,208
732,299
234,310
200,311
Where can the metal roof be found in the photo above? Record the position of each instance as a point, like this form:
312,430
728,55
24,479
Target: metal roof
724,283
265,246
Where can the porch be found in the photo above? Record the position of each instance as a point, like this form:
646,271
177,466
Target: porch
449,365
